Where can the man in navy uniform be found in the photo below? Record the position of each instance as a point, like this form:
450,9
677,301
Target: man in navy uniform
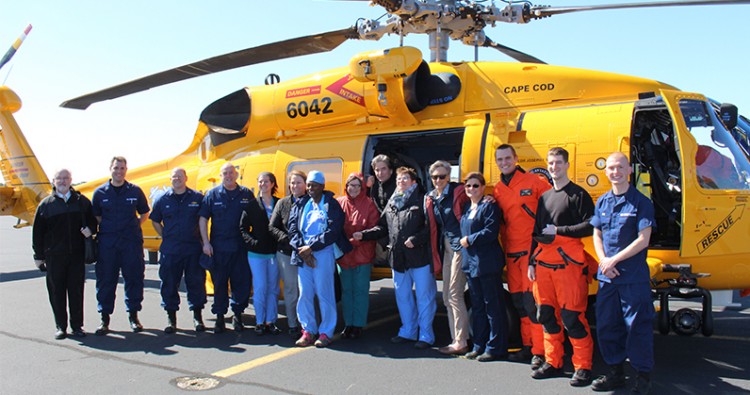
623,219
224,205
175,219
121,208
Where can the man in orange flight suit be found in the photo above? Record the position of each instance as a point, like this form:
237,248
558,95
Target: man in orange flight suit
560,268
517,194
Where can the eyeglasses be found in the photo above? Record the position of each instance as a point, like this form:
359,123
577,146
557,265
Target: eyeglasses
355,185
472,185
438,176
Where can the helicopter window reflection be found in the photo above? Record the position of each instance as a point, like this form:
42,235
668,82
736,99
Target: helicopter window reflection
720,163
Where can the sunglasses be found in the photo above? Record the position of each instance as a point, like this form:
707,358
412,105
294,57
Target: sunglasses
472,185
438,176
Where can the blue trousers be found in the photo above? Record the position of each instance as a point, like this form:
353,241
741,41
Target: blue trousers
230,268
172,267
489,320
355,294
416,315
265,288
318,282
128,258
624,324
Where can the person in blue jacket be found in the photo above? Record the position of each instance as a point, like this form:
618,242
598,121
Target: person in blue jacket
224,205
175,219
121,208
623,219
316,235
483,262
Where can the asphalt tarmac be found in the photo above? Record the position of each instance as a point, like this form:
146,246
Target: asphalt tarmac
151,362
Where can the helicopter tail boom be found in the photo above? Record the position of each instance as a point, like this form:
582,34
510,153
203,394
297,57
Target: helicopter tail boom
26,182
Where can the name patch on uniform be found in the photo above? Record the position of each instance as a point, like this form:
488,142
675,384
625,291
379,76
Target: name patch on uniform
132,200
627,214
194,204
526,192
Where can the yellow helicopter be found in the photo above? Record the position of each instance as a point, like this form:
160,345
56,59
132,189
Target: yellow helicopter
394,102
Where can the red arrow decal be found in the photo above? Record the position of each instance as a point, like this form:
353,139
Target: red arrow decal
337,88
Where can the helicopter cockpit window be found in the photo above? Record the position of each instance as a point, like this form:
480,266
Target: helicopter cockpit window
719,161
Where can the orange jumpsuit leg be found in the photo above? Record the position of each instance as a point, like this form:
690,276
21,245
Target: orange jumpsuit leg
548,315
572,287
520,288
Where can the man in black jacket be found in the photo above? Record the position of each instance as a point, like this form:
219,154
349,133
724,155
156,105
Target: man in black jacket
61,222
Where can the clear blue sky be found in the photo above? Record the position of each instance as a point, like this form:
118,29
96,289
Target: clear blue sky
82,46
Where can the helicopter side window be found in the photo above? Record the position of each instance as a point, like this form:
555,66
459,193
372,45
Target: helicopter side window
720,163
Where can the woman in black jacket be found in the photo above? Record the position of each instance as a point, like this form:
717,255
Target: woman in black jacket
405,224
483,261
279,228
261,250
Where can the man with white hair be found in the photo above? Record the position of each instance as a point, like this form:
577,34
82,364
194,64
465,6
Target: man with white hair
62,221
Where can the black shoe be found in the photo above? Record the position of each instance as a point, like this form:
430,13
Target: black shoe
487,357
78,332
642,384
400,340
103,327
272,329
198,321
420,345
473,354
220,324
546,371
615,378
523,356
171,322
259,329
346,333
537,361
356,332
60,334
237,322
581,378
294,332
135,324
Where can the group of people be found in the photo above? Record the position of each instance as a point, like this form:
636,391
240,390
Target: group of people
526,226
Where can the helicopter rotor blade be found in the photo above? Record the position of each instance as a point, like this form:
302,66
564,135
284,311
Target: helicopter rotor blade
545,11
14,48
513,53
299,46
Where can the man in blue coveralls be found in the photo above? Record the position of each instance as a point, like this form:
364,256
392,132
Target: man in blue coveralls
121,208
622,222
224,205
175,219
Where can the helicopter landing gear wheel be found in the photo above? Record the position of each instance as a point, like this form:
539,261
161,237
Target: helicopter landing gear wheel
686,322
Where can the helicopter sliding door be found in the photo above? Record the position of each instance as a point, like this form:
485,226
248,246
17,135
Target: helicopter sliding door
715,180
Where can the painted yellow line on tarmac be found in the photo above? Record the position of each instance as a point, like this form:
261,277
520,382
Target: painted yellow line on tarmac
245,366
